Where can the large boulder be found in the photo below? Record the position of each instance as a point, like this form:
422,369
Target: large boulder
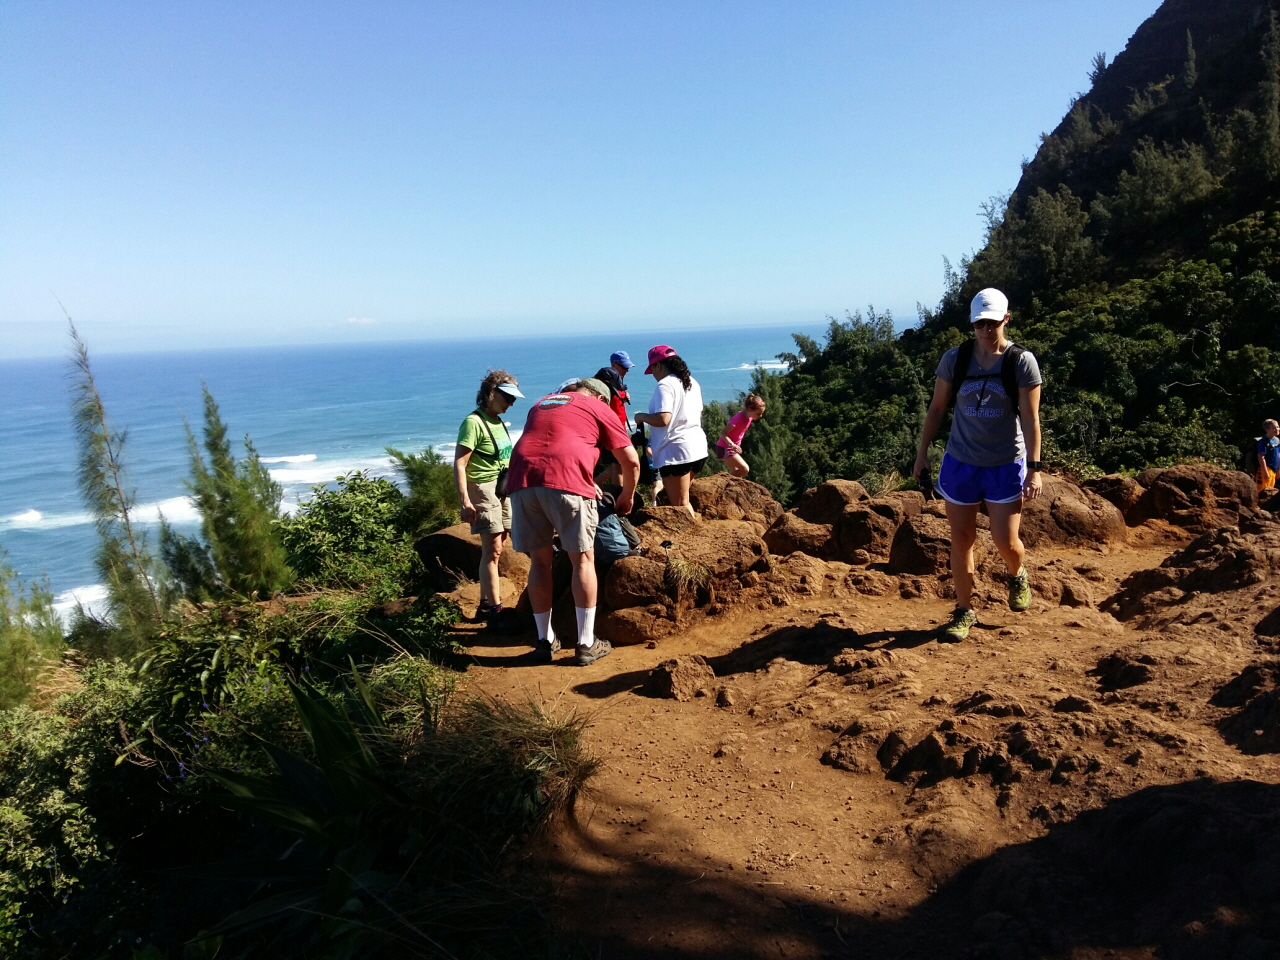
634,625
1199,497
1065,513
789,533
452,556
723,496
828,501
1122,491
921,545
635,582
868,526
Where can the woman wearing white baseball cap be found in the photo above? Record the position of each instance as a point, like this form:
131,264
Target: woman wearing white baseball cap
480,462
993,451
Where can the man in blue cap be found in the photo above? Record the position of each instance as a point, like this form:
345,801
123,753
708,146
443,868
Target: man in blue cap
614,376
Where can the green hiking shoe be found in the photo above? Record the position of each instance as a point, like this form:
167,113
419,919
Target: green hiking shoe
1019,590
958,628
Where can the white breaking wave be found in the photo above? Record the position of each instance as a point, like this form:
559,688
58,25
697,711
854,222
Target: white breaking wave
35,520
326,471
300,458
767,364
177,510
92,598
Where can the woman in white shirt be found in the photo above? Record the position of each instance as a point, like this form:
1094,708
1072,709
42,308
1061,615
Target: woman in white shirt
675,417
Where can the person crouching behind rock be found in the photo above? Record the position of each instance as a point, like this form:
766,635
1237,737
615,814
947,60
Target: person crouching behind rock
483,453
996,388
553,492
675,417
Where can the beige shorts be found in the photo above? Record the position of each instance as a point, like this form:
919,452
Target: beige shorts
538,513
492,515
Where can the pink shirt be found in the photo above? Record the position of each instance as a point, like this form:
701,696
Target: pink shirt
737,428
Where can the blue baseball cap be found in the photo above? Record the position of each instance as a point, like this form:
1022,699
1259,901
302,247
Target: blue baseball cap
622,358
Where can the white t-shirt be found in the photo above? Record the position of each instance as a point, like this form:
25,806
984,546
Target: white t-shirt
681,440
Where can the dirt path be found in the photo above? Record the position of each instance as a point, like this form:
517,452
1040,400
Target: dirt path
716,829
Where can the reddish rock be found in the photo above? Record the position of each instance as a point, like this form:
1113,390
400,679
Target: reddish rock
1198,497
634,582
725,497
789,533
828,501
1124,492
870,526
681,678
1065,513
921,545
634,625
452,555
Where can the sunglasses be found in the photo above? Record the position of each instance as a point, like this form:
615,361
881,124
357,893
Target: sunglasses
987,324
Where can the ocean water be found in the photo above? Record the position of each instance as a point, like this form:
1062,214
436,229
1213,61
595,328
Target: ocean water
312,412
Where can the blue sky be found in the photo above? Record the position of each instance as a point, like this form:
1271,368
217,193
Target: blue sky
187,175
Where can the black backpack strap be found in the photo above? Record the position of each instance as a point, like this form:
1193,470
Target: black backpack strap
1009,371
496,455
964,356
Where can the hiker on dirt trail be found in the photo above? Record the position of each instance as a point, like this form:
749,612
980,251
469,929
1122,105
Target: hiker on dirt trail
1268,456
995,385
675,414
729,446
480,462
614,376
553,493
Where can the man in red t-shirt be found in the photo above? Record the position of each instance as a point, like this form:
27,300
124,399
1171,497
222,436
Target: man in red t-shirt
552,492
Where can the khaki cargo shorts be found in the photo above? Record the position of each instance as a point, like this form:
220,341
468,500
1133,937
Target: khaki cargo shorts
538,513
493,515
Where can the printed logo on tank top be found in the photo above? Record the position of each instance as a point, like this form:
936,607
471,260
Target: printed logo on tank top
553,401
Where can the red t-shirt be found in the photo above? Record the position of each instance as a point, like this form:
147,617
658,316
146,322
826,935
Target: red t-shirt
561,443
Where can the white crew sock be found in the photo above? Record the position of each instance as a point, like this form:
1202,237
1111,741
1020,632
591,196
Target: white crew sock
543,620
586,626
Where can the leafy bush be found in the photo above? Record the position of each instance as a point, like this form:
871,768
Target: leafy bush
30,636
432,501
349,537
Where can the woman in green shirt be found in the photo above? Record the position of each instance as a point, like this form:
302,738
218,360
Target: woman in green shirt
483,452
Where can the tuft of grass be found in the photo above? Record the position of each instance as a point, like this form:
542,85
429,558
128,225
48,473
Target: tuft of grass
878,484
682,573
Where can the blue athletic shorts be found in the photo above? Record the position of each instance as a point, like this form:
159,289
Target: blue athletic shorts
966,485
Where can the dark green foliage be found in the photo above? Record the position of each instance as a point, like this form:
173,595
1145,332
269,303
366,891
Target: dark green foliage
134,593
1189,73
392,858
849,408
239,504
432,501
30,636
714,417
349,537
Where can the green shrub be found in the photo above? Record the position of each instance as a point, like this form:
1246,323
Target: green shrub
432,501
349,537
30,636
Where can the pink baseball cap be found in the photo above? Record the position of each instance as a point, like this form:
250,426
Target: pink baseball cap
658,353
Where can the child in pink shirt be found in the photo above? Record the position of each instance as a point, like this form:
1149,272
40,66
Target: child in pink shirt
729,446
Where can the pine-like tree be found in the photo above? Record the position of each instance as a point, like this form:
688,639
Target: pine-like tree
1189,65
1269,104
241,553
135,596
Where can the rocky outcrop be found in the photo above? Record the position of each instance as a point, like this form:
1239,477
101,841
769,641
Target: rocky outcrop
1197,497
452,555
1068,514
1223,559
725,497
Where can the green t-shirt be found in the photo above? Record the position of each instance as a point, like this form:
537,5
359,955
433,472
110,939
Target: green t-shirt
486,460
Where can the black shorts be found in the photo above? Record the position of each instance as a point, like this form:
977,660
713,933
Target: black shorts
680,469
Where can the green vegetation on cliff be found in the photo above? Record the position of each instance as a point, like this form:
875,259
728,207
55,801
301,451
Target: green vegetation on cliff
1141,255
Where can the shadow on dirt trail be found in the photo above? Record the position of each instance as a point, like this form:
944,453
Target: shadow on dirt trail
1189,871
